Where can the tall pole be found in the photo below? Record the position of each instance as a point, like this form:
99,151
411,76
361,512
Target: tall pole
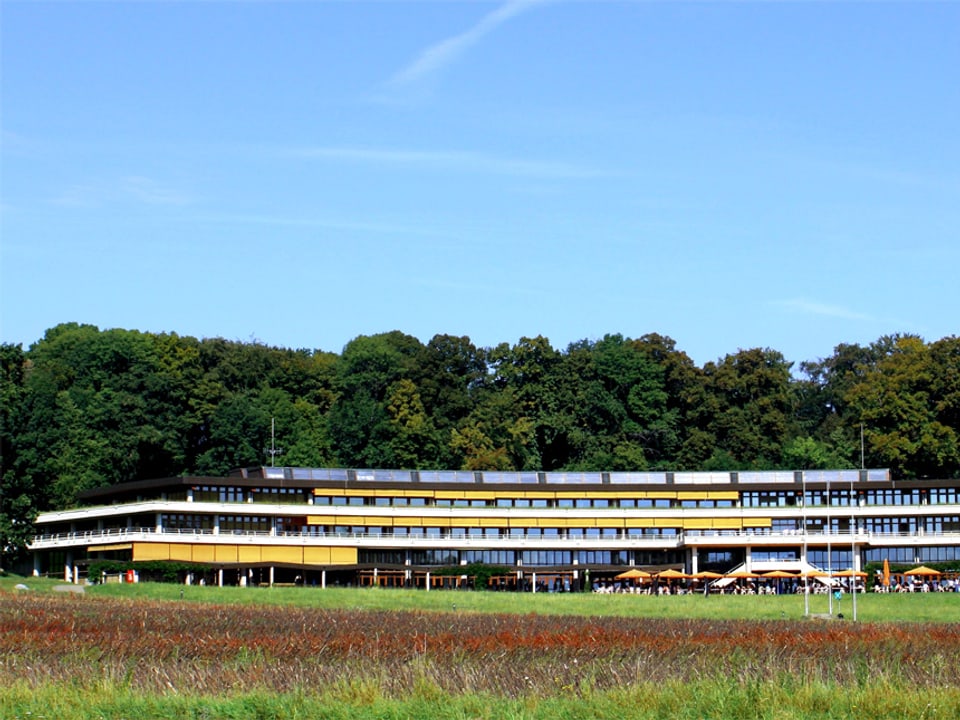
829,550
806,570
853,527
853,548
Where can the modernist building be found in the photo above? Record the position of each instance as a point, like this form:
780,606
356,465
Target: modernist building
337,526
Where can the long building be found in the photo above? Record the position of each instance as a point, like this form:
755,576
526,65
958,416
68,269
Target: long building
322,526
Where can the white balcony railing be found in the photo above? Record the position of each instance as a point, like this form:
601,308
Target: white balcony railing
738,538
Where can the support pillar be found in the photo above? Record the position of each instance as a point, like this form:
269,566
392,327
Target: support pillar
323,579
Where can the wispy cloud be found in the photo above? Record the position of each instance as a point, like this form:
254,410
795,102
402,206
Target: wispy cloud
136,188
810,307
319,223
458,160
435,58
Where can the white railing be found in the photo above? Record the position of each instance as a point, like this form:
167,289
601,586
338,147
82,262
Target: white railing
689,537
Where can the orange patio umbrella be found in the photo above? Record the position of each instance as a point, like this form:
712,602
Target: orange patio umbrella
778,574
742,574
707,575
672,574
886,572
633,574
850,573
813,573
923,570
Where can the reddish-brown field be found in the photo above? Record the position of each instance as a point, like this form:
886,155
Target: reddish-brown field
159,646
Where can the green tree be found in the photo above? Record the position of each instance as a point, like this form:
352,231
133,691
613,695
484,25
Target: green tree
748,406
360,425
18,496
907,424
413,442
239,435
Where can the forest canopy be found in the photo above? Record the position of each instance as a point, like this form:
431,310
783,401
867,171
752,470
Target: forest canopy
85,407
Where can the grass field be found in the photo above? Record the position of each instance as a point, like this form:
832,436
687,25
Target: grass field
927,607
126,651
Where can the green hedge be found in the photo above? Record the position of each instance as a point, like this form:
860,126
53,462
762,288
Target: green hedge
162,570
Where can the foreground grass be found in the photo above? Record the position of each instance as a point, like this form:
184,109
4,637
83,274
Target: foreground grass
364,701
909,607
142,651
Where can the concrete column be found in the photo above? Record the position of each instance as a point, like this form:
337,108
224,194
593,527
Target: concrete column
694,561
323,579
216,524
748,559
534,583
428,581
159,523
220,577
271,576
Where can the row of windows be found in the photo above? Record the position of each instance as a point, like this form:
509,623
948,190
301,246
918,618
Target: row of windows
506,503
844,498
748,499
509,558
895,525
475,533
912,556
227,494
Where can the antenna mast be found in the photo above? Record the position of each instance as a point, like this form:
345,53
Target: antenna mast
274,450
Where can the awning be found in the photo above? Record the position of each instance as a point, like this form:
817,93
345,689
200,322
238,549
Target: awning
108,548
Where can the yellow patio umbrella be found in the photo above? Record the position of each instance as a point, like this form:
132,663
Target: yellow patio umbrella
742,574
814,573
778,574
886,572
923,570
633,574
850,573
672,574
707,575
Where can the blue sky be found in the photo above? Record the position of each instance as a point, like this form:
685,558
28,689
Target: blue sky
730,174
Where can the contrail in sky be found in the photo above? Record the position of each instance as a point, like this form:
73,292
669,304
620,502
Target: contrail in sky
439,55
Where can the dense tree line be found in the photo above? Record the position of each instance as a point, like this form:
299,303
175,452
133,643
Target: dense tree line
85,407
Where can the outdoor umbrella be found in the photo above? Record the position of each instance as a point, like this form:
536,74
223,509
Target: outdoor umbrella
850,573
923,570
886,572
778,574
672,575
741,574
633,574
707,575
